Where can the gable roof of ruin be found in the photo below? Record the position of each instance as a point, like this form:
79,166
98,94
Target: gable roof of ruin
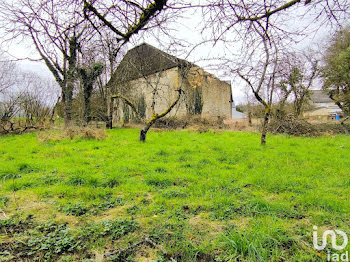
145,60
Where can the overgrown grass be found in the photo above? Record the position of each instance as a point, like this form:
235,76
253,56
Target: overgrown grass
214,196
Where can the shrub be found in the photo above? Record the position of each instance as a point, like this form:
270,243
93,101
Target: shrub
72,133
90,133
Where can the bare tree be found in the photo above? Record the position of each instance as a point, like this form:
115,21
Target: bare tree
260,74
89,76
276,13
264,30
125,19
298,73
249,101
106,44
39,96
29,105
8,73
57,31
276,76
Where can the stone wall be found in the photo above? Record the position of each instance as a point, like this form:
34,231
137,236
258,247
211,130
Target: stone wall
214,94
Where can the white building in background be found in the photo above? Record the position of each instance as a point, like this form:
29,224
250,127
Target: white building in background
324,108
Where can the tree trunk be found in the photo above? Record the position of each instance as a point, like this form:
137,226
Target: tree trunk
54,111
298,105
143,133
344,126
250,118
87,103
109,117
68,113
87,111
68,103
265,126
89,76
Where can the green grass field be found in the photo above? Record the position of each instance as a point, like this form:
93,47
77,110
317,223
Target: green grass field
214,196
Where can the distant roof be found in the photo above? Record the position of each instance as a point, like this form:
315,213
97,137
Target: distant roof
144,60
320,96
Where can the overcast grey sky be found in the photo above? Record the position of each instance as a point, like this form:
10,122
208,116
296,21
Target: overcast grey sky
189,29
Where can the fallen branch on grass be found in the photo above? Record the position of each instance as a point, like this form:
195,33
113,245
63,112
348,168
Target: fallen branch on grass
3,213
12,129
146,240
